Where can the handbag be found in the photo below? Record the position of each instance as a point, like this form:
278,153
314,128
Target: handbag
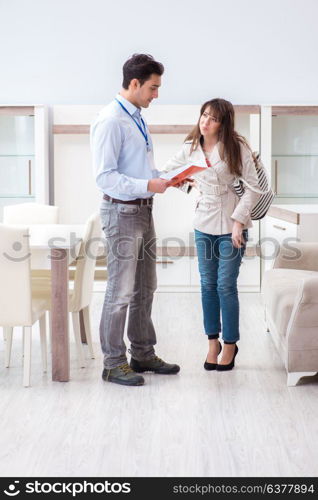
267,194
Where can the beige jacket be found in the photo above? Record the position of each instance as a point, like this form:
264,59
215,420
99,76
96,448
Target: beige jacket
217,205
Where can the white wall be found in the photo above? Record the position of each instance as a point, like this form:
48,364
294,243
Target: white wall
72,51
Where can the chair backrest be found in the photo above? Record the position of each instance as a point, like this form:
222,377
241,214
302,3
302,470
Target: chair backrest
85,264
30,213
15,277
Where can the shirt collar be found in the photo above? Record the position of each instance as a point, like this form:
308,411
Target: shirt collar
131,108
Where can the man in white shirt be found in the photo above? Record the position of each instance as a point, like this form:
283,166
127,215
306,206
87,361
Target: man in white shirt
124,170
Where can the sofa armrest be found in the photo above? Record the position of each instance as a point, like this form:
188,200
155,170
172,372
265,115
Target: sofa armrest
302,329
298,256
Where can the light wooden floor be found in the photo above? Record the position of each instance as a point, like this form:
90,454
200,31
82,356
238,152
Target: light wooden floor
241,423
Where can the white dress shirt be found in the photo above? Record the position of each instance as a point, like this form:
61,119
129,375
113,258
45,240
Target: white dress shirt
122,165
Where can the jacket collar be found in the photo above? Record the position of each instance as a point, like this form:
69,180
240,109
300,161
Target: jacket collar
215,156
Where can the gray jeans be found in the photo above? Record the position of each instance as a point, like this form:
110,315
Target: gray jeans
131,266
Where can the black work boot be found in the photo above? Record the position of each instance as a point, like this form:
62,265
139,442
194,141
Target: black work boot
123,375
155,365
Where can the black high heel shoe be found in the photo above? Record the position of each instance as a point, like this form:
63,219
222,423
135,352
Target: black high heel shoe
212,366
229,366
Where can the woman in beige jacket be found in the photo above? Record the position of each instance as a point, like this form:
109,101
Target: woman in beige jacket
221,221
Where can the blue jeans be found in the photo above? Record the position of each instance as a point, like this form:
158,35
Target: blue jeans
219,264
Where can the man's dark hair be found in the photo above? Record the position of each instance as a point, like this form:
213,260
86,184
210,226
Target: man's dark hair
140,66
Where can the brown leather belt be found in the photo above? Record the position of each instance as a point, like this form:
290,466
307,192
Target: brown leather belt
138,201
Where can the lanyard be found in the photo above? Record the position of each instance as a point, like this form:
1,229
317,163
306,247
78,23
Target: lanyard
144,133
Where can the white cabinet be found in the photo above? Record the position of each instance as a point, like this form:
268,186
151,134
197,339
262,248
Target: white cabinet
24,172
280,230
295,155
249,279
173,273
290,152
285,225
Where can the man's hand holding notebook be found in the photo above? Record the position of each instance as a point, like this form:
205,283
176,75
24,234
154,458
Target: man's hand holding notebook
179,175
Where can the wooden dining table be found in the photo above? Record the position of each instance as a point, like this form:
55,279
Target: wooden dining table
54,247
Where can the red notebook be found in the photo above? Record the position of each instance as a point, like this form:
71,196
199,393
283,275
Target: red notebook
180,174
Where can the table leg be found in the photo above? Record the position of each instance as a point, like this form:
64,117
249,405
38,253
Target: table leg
59,308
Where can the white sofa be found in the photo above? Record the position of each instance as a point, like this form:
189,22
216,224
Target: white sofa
290,297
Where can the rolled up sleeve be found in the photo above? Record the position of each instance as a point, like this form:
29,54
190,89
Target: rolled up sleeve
176,161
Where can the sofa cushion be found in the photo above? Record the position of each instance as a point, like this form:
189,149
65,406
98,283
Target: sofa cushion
279,288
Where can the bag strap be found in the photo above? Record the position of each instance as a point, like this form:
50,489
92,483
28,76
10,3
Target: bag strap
253,188
255,156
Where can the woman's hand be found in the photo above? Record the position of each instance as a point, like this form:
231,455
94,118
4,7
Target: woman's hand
189,180
237,234
192,182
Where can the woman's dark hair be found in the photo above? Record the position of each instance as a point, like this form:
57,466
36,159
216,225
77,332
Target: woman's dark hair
230,140
140,66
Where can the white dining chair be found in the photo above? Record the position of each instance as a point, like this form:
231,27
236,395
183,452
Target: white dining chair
81,295
30,213
17,305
